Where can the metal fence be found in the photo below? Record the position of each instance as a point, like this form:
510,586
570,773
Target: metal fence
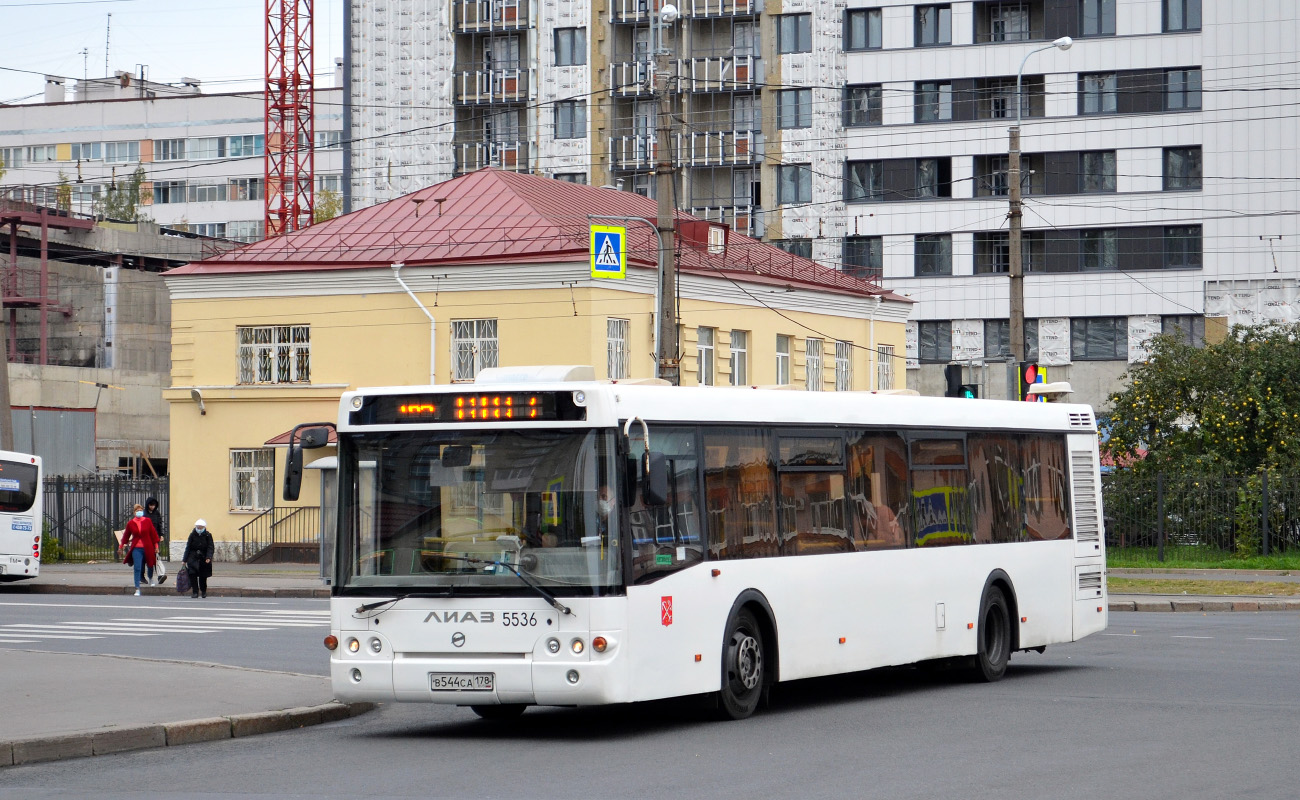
282,534
82,511
1195,516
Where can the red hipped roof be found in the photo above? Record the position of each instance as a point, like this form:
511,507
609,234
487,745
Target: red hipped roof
491,217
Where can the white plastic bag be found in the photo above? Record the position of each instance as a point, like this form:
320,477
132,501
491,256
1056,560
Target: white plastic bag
160,569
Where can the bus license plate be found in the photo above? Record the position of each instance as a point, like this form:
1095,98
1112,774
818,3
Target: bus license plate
462,681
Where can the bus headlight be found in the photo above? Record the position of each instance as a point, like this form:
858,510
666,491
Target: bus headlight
356,676
376,645
353,645
577,646
572,676
599,644
356,401
553,645
331,642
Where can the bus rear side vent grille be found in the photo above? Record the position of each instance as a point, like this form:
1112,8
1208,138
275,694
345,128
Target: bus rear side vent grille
1080,420
1086,521
1090,584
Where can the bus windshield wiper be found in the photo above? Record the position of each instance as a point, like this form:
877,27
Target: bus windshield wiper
361,609
550,598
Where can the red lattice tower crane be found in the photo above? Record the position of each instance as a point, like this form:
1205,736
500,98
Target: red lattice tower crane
290,129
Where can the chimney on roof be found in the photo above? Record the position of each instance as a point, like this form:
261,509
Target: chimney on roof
338,73
191,85
54,92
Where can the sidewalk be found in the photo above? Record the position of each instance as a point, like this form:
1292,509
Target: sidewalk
228,580
55,709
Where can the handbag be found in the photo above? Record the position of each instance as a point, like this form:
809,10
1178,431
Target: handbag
182,581
160,570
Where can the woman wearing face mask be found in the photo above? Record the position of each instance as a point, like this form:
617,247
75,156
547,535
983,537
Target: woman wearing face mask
140,542
198,558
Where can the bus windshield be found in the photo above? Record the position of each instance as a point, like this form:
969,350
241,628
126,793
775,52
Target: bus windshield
18,486
434,510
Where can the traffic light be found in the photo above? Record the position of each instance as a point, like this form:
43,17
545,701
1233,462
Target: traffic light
1029,374
952,380
971,391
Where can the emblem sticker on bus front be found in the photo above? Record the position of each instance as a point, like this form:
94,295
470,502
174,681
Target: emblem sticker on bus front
461,616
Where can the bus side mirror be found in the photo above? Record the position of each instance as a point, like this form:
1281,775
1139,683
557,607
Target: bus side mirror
293,473
654,479
313,435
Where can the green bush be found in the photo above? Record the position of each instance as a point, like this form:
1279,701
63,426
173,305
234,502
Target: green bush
51,550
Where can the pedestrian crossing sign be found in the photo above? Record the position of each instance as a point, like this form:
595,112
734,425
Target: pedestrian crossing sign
608,252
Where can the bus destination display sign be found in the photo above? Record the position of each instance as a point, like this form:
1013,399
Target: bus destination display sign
477,407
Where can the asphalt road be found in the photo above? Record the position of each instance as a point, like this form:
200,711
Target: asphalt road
273,634
1161,706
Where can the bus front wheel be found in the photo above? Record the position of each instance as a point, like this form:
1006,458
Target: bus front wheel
743,667
994,647
499,713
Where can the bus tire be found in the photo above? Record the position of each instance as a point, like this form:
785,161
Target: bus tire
743,667
501,713
993,649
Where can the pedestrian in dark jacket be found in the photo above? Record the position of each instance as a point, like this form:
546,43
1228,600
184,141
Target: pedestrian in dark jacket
154,513
198,558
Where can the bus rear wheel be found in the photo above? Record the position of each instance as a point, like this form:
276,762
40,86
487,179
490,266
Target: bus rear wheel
743,667
499,713
994,648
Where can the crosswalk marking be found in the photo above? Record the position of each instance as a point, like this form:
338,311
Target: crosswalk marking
135,627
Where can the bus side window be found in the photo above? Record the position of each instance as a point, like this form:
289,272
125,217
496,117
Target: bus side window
877,491
666,538
940,492
997,494
1047,487
740,491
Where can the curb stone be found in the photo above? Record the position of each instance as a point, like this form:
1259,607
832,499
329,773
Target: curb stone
32,750
1205,605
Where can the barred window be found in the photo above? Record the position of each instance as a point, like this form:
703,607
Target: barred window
274,354
474,347
813,365
885,366
843,366
616,348
252,479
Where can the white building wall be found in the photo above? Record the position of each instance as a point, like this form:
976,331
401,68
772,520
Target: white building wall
1247,128
401,60
554,83
147,121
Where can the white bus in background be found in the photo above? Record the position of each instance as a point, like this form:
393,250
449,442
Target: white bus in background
535,540
21,518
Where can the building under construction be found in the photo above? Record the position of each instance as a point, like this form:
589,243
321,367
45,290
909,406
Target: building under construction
87,333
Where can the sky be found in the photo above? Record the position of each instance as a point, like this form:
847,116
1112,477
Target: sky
220,42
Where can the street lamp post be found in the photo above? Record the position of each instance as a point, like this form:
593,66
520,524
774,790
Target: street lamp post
1016,268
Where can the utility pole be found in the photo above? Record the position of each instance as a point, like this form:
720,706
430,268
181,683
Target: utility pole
6,410
1015,267
665,183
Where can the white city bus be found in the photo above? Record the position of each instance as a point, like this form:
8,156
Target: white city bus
20,516
532,540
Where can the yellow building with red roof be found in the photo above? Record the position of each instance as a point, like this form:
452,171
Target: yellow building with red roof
490,269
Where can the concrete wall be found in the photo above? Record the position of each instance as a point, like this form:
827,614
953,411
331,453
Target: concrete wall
130,418
1092,381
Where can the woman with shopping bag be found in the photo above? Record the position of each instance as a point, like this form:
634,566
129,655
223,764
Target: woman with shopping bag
140,543
198,558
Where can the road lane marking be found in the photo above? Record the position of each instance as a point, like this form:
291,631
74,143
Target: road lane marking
1133,635
47,630
1263,639
52,635
1191,637
16,641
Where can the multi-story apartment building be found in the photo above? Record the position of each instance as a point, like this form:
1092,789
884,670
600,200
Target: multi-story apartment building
1159,151
202,154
